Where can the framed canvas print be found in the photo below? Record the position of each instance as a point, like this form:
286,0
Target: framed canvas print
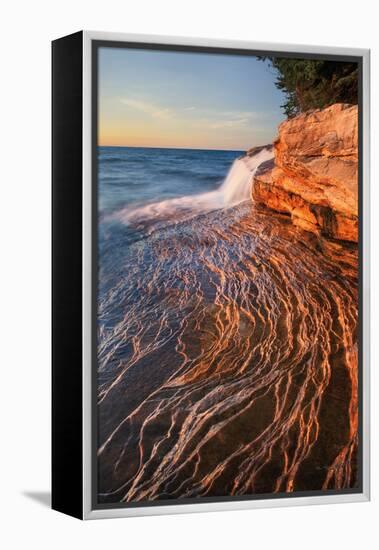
210,275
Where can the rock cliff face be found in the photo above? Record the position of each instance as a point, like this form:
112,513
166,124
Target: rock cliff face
314,176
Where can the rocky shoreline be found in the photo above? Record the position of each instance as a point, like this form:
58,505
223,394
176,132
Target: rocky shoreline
314,174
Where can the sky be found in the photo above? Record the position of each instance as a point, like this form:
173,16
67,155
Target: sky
189,100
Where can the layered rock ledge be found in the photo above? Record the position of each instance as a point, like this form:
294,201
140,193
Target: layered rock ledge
314,174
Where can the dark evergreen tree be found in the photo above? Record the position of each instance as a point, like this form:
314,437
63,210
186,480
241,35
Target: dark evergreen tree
310,84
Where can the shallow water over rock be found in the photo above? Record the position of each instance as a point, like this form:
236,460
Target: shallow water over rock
227,360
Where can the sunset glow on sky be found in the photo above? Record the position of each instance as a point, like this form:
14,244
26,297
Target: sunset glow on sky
192,100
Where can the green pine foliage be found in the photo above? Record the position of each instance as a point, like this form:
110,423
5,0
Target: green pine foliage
311,84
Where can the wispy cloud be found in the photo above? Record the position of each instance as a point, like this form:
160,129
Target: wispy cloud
194,116
238,114
230,123
227,119
149,108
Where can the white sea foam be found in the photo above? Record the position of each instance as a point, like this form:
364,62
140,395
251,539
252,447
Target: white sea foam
237,185
235,188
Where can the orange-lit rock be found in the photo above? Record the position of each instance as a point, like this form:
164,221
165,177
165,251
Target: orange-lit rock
315,174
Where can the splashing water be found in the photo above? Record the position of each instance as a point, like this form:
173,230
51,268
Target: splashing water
237,185
235,189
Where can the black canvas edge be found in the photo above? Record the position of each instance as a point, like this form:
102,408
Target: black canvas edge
96,44
67,364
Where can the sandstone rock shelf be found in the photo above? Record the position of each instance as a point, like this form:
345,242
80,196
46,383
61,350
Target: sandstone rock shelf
314,175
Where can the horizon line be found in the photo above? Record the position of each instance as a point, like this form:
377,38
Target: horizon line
185,148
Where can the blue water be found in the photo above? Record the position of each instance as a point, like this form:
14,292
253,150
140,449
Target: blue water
131,179
133,175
